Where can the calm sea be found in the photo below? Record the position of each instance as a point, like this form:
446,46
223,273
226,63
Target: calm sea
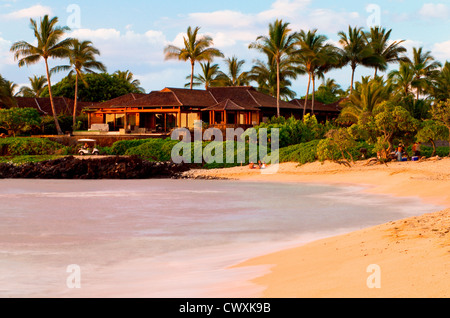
166,238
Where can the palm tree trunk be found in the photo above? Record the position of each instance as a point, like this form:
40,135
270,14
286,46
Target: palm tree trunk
278,88
55,116
353,78
192,73
75,103
306,98
376,72
313,93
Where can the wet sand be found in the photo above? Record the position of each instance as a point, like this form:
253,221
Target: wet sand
404,258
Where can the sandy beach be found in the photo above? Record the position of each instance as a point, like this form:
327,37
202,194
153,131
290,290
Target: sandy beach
405,258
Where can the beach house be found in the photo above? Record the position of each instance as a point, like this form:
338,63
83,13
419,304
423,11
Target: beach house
162,111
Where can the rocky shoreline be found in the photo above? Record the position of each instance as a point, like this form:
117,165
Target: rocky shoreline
98,168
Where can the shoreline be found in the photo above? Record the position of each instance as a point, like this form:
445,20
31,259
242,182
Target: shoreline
413,254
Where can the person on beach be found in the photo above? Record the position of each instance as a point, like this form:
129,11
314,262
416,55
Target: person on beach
416,149
251,165
400,152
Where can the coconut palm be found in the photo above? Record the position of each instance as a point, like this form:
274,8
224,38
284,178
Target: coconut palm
37,86
209,76
425,66
129,77
403,78
196,49
265,75
356,52
367,95
7,93
82,60
312,55
439,86
389,51
235,75
50,44
278,45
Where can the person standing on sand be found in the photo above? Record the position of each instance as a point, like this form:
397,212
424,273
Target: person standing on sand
416,149
399,152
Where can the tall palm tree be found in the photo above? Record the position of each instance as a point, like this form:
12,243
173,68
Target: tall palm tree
196,49
129,77
209,76
317,56
235,75
50,44
425,66
390,52
37,86
356,52
439,86
82,60
278,45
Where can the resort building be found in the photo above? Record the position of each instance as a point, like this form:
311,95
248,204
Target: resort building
63,105
162,111
323,112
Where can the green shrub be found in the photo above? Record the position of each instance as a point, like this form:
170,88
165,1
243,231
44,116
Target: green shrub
121,147
301,153
327,151
151,149
31,147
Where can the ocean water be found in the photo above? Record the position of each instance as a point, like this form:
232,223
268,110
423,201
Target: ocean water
167,238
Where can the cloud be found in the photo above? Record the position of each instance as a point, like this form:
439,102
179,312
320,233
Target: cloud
31,12
6,58
435,11
442,51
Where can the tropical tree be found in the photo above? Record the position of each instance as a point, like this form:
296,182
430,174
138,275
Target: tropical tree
7,93
278,46
50,44
129,77
367,95
16,120
209,76
265,75
355,51
37,86
430,131
425,67
402,79
388,51
196,49
317,57
439,84
235,76
82,60
441,113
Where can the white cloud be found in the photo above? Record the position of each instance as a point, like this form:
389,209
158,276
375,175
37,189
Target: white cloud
6,57
442,51
31,12
435,11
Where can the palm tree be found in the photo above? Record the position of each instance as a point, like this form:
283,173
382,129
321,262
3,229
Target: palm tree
403,78
82,60
265,74
235,76
356,52
390,52
7,95
196,49
425,67
317,57
209,76
37,86
439,87
129,77
279,44
49,45
367,95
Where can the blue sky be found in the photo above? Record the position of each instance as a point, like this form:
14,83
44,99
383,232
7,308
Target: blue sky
132,35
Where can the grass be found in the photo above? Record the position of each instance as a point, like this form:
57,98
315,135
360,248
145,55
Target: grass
20,160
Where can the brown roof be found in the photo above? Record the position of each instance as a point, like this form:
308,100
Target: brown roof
63,105
155,99
229,105
192,97
119,101
318,106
